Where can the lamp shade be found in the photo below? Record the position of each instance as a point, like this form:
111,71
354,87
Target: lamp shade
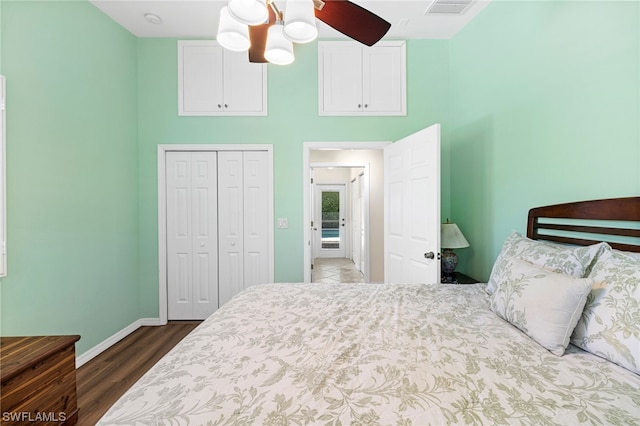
249,12
300,21
451,237
232,34
279,49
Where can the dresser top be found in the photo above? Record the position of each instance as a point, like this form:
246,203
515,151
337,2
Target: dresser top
19,353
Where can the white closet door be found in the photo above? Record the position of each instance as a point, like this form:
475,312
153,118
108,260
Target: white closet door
230,224
243,224
192,257
256,219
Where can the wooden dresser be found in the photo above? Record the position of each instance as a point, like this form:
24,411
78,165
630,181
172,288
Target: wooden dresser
38,380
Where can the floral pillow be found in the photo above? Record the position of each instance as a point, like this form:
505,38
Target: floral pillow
610,323
545,305
567,260
631,254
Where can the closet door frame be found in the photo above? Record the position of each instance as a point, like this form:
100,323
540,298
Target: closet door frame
162,214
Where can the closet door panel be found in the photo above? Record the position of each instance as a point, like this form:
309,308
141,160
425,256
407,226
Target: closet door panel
179,235
182,277
230,224
256,219
192,257
205,234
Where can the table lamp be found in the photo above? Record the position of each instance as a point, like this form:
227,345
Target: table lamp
450,238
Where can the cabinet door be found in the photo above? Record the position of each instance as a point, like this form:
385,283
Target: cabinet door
216,81
245,85
200,81
383,80
340,78
360,80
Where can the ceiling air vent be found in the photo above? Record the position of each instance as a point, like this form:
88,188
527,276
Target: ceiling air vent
450,7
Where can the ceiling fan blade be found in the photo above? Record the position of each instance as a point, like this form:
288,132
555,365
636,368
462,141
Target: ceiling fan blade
258,37
353,21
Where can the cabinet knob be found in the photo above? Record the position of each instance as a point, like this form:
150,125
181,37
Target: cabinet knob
359,105
366,105
226,106
219,106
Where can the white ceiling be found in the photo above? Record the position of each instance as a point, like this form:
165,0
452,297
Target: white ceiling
199,18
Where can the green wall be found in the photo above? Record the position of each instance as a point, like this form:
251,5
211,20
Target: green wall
544,110
72,172
293,119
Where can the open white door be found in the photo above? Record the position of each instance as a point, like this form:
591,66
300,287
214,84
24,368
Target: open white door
412,208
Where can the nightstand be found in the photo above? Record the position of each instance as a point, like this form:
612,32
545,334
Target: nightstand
459,278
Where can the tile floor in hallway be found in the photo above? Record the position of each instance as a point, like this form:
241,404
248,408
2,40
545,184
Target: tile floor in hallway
335,270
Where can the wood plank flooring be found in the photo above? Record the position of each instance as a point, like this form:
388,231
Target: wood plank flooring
107,377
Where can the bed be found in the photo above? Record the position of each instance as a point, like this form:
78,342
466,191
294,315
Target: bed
502,352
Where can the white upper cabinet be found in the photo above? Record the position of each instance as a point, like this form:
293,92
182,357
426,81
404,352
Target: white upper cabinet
359,80
215,81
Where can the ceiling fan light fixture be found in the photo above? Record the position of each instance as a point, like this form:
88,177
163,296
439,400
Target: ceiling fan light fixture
279,49
300,21
249,12
232,35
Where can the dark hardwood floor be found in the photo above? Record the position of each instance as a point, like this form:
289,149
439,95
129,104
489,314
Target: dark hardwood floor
101,381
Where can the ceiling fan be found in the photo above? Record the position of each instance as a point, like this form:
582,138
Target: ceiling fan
268,33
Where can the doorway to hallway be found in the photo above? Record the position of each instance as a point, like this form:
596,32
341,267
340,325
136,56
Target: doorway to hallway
363,164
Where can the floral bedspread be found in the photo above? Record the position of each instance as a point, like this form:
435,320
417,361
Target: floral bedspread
372,354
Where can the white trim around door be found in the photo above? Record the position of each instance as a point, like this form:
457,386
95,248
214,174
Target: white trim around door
162,216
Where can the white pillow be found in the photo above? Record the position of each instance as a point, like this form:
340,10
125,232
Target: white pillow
543,304
610,324
569,260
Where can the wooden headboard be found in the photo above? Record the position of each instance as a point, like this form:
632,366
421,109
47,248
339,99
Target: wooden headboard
589,222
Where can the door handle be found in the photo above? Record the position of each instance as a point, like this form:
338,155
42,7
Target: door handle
430,255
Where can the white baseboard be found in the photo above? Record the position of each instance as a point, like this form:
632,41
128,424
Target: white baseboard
110,341
144,322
